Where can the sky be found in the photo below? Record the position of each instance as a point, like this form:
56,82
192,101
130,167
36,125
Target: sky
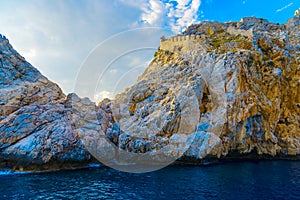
97,48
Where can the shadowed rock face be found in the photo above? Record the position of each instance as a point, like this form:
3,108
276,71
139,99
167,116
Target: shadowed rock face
38,123
20,83
235,88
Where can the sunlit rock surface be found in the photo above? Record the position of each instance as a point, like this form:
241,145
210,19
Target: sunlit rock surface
239,80
217,91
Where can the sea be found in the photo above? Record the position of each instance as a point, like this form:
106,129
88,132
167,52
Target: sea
235,180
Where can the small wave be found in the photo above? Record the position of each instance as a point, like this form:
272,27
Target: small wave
208,163
10,172
94,165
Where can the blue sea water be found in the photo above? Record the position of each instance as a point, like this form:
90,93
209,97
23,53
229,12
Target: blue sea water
241,180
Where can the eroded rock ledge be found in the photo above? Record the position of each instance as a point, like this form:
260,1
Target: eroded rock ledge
232,90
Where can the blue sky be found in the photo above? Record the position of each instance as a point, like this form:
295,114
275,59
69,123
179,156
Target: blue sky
273,10
58,36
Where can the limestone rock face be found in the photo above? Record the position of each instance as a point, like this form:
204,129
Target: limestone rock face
38,124
20,83
236,94
217,90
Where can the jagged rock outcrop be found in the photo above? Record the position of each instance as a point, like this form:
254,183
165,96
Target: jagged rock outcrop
243,81
217,91
20,83
38,124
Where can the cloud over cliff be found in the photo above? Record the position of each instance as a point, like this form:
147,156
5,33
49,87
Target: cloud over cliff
175,15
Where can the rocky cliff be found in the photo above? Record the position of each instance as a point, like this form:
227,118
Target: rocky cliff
38,123
217,91
235,85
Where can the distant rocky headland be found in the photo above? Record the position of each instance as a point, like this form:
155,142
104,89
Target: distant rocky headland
234,88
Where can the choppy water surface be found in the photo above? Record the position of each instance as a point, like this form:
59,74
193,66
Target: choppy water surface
244,180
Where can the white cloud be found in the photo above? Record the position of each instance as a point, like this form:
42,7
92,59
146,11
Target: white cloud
284,7
184,14
174,14
153,12
102,95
